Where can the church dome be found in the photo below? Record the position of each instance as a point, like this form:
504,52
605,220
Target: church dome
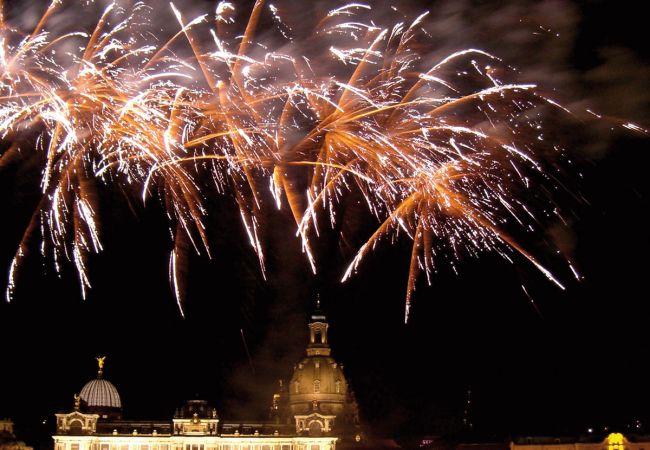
318,378
318,382
100,396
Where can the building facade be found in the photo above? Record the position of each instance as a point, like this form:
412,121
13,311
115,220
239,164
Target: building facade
8,440
315,411
614,441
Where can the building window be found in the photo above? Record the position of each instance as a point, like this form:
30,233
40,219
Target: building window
316,386
318,337
296,386
338,386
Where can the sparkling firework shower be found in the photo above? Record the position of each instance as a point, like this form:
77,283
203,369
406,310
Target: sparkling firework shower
449,153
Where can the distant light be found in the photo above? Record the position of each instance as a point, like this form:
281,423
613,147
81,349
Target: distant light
590,430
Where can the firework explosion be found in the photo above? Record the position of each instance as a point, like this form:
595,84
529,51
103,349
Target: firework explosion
445,154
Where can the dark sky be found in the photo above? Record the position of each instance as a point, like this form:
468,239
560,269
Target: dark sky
573,363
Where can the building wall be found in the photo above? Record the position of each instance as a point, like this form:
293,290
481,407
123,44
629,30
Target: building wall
6,426
614,441
175,442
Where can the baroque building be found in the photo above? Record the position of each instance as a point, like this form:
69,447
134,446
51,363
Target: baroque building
8,440
315,411
318,400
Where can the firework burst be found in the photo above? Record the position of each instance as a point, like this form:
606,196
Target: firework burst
448,153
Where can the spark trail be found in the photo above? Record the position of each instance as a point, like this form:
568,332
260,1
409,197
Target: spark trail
446,152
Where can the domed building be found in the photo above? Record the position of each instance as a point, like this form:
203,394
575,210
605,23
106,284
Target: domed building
318,399
100,396
315,411
8,440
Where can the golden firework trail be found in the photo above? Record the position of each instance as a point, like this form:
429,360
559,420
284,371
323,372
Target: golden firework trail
447,153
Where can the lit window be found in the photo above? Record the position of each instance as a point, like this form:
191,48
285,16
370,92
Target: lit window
316,386
296,387
338,386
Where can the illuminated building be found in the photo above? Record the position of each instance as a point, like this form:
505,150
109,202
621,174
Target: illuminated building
318,399
615,441
8,439
316,411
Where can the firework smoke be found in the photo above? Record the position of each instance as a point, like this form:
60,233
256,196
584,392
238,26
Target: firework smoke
451,152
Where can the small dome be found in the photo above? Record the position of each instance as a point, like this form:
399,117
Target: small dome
100,393
196,408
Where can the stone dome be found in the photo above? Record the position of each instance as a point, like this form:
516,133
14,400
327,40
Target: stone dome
319,379
318,383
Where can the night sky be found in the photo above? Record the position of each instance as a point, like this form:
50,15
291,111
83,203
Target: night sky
570,361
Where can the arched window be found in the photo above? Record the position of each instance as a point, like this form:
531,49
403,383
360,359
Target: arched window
316,386
318,337
76,427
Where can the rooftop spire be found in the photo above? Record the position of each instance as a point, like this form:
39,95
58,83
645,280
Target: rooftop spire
318,332
317,315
